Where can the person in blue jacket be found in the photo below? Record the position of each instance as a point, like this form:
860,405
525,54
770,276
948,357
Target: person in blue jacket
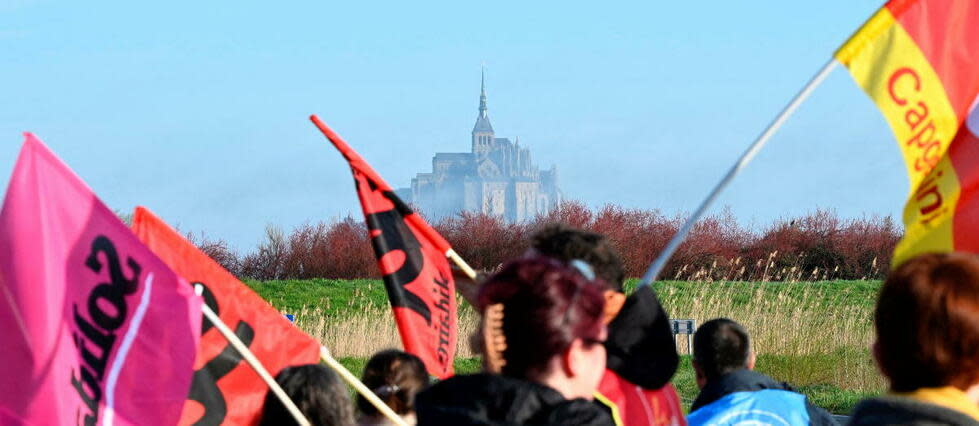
731,393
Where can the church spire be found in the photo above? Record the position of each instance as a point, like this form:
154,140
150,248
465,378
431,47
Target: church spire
482,93
483,126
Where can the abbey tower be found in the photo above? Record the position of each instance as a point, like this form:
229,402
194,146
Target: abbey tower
497,177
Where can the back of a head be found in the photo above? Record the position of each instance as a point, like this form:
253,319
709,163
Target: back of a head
565,243
317,392
395,377
546,306
927,322
721,346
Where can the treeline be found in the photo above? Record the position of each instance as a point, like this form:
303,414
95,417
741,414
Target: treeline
817,246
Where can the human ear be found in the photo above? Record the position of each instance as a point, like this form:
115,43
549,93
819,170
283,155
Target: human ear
699,375
571,359
751,361
613,304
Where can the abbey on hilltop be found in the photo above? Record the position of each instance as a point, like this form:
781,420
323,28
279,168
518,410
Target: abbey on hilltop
497,178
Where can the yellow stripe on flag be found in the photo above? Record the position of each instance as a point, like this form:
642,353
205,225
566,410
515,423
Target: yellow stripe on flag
887,63
928,214
890,67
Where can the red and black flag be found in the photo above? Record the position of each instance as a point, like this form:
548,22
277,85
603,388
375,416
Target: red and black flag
412,258
225,390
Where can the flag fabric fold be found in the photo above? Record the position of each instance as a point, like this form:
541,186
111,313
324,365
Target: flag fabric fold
98,330
220,374
918,60
412,259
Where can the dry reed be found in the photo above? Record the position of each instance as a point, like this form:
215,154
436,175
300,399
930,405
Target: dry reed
805,335
802,334
371,329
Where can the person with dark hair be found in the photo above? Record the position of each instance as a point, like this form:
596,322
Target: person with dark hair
550,363
318,393
721,346
395,377
731,393
641,351
927,323
566,243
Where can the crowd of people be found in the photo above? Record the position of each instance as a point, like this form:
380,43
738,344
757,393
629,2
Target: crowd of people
563,344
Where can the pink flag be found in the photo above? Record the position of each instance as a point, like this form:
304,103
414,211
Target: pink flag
96,329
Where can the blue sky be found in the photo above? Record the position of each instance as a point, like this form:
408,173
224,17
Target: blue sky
198,110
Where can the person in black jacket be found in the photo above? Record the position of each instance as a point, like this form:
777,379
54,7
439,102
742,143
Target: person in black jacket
927,324
731,393
641,351
551,361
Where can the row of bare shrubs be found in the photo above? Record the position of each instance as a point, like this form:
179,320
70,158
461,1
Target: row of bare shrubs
817,246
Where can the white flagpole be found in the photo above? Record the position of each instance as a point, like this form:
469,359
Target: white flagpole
256,365
746,158
360,387
466,269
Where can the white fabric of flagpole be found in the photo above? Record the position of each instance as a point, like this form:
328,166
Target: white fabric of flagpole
256,365
657,266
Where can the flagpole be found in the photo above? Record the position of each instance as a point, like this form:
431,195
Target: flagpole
360,387
657,266
466,269
256,365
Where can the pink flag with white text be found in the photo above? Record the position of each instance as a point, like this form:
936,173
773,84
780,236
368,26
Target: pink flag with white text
96,329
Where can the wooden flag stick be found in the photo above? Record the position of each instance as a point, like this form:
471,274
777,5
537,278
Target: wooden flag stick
360,387
455,258
746,158
256,365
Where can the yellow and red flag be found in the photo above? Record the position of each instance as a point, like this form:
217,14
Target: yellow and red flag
412,258
919,62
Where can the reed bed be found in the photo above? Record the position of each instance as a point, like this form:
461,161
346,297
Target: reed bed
370,329
802,333
809,334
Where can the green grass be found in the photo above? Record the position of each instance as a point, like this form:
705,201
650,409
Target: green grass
334,297
863,293
341,297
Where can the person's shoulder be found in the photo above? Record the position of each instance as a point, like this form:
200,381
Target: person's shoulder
742,380
579,412
896,410
765,406
489,384
494,399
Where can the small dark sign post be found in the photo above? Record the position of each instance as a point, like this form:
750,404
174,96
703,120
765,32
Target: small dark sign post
687,327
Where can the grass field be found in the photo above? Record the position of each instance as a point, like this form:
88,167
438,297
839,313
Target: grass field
814,335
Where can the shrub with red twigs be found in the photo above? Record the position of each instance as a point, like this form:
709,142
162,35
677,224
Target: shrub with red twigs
816,246
218,250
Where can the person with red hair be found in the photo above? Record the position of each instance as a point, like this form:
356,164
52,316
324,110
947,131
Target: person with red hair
550,363
927,323
641,353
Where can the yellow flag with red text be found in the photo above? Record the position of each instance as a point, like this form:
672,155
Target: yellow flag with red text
918,60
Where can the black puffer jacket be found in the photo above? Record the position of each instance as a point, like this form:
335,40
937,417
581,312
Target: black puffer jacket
895,410
489,399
